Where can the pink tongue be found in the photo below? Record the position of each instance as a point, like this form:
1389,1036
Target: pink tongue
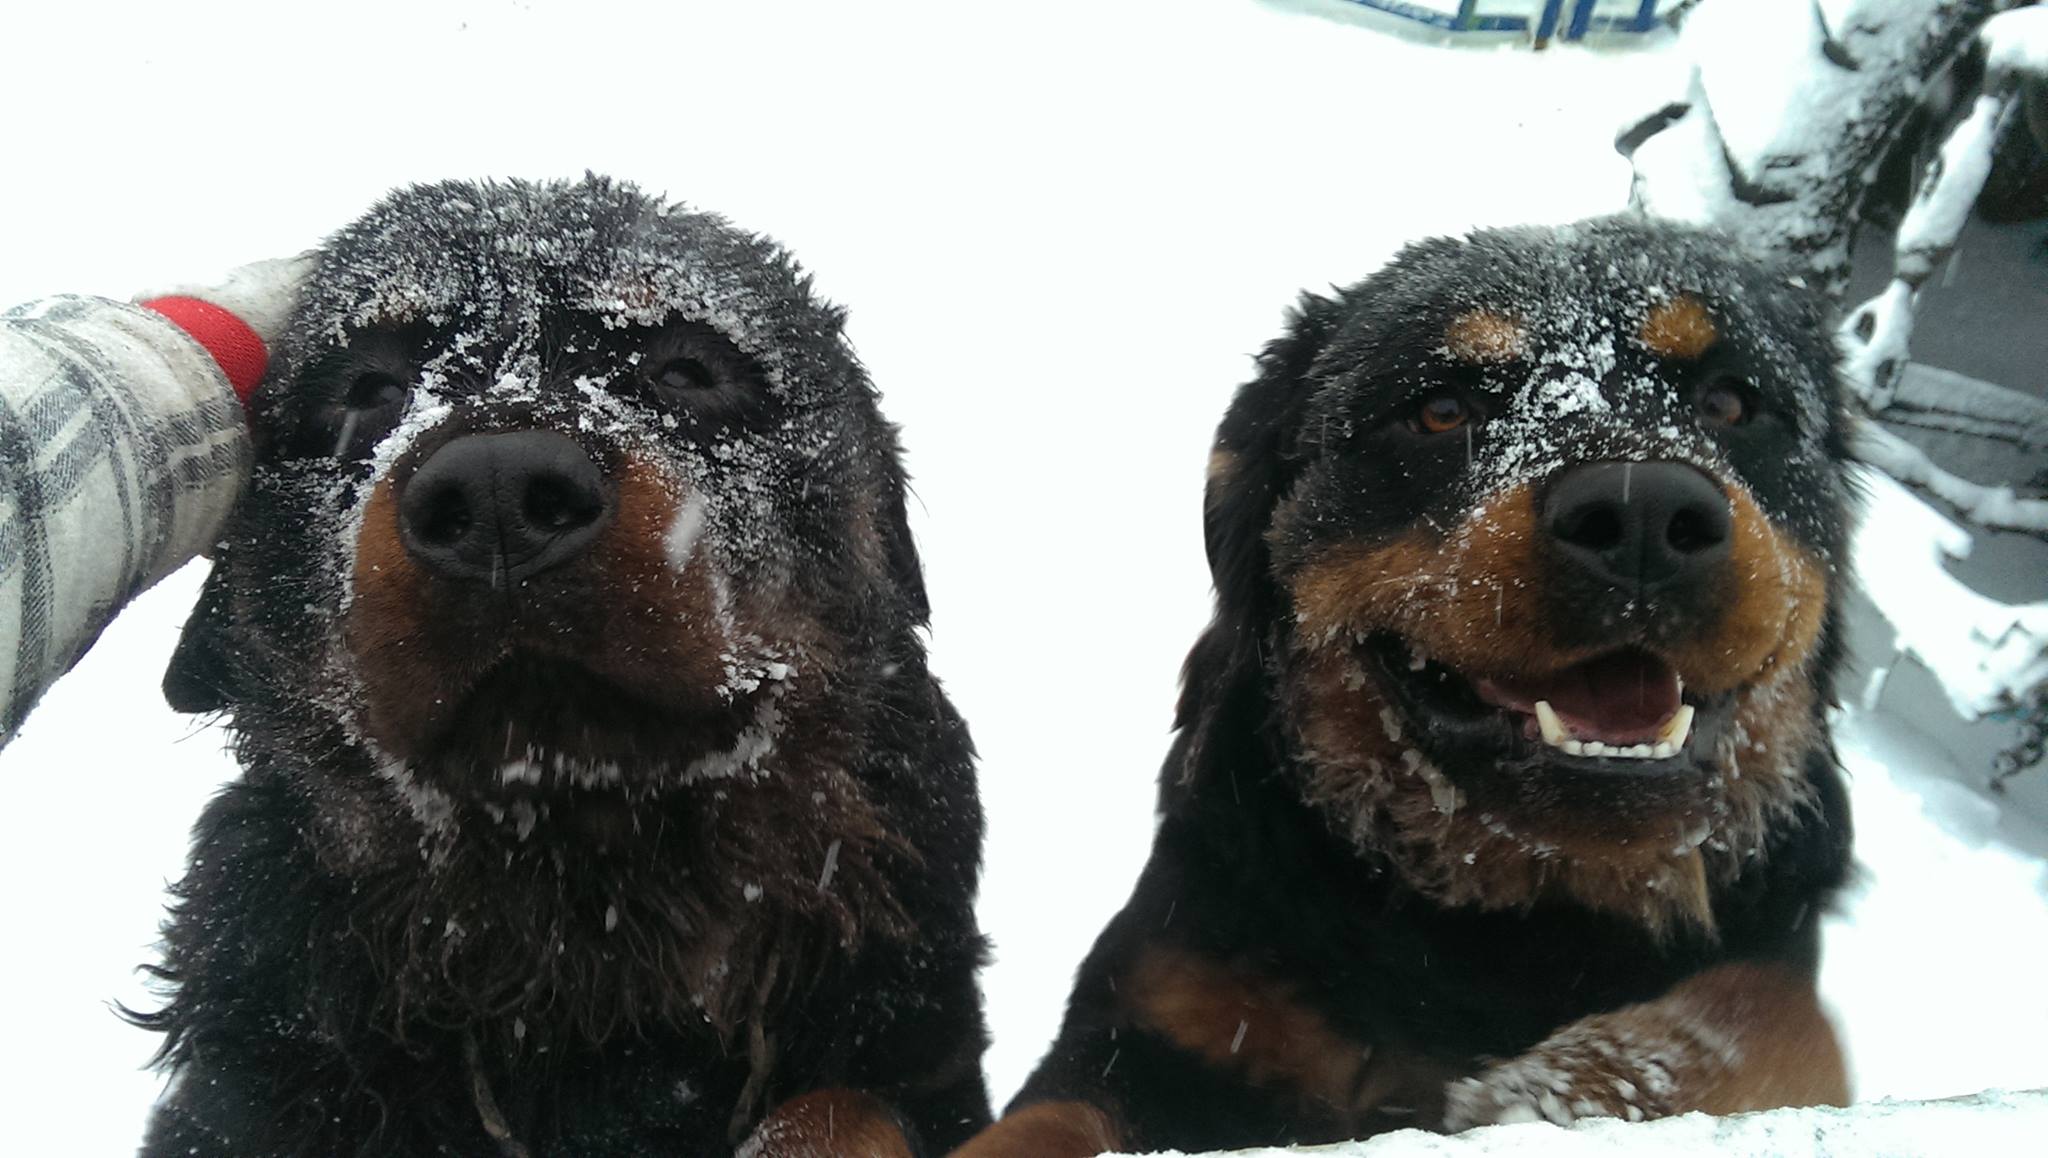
1623,697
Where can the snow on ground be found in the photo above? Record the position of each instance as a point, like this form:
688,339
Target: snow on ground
1980,1126
1062,228
1933,969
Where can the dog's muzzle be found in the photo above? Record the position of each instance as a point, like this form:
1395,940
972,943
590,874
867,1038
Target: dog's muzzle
500,508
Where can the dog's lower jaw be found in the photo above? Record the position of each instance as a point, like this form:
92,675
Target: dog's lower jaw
525,779
1463,858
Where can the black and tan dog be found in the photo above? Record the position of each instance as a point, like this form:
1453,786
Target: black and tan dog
597,798
1502,788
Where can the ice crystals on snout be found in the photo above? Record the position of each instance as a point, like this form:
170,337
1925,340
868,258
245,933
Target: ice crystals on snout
536,766
680,541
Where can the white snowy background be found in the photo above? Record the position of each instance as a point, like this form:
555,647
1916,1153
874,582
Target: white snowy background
1063,227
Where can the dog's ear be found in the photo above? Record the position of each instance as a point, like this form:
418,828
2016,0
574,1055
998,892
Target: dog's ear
1253,465
200,676
904,567
899,548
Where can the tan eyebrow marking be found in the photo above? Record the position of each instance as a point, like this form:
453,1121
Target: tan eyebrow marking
1679,328
1483,336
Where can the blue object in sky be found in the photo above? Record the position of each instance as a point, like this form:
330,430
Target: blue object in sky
1554,22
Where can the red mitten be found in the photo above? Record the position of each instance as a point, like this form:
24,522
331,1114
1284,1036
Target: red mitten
236,319
232,342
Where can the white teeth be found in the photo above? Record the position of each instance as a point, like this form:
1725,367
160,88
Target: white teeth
1678,728
1668,742
1618,751
1631,752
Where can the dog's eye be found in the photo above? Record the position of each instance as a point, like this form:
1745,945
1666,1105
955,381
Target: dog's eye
684,376
1725,402
1440,413
700,383
704,389
365,412
374,390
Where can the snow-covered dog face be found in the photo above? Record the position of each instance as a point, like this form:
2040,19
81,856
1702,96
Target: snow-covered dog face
1550,518
576,494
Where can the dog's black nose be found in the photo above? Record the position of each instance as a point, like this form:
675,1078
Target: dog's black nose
1638,525
497,508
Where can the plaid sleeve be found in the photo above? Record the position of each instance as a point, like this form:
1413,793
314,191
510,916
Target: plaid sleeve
122,450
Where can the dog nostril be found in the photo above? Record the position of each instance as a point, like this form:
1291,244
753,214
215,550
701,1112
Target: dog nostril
1596,527
1692,531
444,519
556,504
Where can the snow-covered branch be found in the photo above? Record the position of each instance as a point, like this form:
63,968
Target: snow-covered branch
1987,506
1984,653
1792,105
1874,337
1931,398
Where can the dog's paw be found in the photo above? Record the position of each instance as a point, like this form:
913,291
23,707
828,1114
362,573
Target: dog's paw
1561,1082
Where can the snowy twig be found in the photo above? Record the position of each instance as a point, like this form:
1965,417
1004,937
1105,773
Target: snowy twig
1987,506
1985,653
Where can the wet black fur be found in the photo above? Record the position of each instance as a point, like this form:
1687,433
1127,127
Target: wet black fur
307,1014
1244,872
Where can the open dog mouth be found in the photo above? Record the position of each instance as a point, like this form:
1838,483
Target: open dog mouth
532,726
1622,710
1625,704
